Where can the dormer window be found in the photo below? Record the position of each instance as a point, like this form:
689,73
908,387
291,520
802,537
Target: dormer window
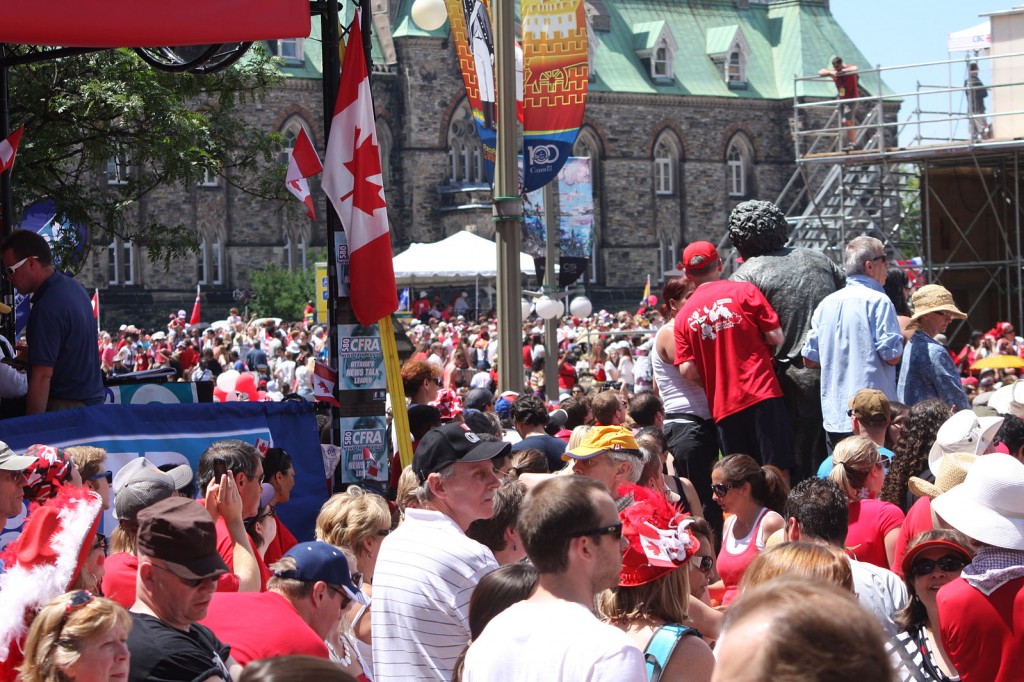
288,49
656,48
729,51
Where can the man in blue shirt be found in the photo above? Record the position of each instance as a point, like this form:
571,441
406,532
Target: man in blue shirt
855,337
63,355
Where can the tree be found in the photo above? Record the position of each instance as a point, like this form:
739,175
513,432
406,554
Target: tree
280,292
107,112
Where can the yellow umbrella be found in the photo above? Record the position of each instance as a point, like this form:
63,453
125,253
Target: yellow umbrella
998,362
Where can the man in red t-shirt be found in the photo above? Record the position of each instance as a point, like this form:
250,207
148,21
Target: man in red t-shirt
310,587
723,334
846,80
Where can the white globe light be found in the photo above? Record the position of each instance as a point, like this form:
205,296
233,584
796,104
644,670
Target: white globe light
548,308
581,306
527,308
429,15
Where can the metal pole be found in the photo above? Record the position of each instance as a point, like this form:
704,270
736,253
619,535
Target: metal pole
551,287
508,205
331,74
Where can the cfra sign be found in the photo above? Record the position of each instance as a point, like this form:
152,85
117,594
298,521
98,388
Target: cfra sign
167,434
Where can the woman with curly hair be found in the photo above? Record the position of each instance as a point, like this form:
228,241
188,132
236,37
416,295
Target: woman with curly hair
910,456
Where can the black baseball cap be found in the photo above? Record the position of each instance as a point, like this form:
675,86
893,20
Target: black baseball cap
452,443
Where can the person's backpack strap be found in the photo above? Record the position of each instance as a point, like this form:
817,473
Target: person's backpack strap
663,643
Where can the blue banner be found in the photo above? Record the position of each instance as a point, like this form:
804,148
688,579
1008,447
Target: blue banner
167,434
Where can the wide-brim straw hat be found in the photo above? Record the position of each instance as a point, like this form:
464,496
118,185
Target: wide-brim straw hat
989,505
932,298
952,472
965,431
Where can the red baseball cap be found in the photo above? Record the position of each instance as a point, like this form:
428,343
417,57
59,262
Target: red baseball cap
700,256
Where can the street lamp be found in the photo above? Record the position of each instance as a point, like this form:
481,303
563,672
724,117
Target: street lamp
581,307
548,308
507,204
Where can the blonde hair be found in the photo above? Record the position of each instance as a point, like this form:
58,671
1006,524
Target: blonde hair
349,518
405,495
803,559
56,638
852,460
87,458
577,436
667,598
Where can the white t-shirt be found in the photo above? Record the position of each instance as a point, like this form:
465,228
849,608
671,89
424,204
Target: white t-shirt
548,642
426,572
881,592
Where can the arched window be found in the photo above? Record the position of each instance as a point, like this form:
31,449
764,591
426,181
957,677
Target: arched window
666,163
211,260
662,65
465,157
290,130
739,166
295,248
384,143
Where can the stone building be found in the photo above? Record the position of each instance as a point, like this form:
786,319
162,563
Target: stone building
689,112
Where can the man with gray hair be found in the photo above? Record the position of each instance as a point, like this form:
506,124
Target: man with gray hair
855,338
428,568
611,456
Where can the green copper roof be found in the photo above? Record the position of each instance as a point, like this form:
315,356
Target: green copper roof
404,27
719,38
646,33
787,38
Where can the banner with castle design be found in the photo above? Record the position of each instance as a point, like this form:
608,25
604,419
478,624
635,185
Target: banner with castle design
555,77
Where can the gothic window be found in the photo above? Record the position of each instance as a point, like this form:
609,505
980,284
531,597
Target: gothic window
384,142
465,156
290,130
739,164
118,169
666,161
211,261
121,262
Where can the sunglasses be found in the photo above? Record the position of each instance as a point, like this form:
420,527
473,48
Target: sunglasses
705,564
346,600
77,601
383,533
948,564
722,489
103,474
613,530
191,582
11,269
101,542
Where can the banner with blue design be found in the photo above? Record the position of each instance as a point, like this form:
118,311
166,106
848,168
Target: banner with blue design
175,434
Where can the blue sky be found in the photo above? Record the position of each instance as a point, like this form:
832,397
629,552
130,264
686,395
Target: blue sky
898,32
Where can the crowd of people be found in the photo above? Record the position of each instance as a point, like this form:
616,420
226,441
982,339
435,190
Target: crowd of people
755,481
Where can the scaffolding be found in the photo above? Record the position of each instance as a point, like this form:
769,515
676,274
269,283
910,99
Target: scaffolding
910,194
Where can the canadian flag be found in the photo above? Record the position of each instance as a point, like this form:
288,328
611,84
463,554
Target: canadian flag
324,381
195,309
302,163
96,304
353,182
8,148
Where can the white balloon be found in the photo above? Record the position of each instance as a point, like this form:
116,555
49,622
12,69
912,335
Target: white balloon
226,380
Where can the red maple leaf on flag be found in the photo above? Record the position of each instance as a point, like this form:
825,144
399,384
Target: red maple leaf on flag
366,192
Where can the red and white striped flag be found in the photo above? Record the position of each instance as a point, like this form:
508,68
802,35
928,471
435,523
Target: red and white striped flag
303,163
96,304
354,184
324,381
9,148
195,309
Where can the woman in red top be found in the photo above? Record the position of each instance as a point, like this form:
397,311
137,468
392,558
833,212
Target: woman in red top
874,524
753,495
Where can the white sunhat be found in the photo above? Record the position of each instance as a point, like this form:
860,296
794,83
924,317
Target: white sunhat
965,431
1009,399
989,505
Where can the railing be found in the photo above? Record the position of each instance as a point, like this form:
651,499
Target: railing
938,116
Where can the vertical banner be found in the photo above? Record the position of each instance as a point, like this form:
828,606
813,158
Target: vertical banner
575,222
555,77
341,262
360,362
364,450
470,24
323,289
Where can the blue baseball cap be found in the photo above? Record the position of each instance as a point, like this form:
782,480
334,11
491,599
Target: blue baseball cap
320,561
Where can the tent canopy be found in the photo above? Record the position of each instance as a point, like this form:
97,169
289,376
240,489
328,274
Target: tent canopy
462,256
970,39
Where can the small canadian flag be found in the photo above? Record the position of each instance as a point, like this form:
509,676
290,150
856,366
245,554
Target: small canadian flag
96,304
302,163
8,149
325,380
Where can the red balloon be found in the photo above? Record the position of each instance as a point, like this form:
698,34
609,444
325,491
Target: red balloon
247,384
652,300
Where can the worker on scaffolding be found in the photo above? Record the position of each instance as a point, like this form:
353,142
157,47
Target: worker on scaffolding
976,94
845,78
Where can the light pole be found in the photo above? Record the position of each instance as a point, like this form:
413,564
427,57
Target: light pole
507,204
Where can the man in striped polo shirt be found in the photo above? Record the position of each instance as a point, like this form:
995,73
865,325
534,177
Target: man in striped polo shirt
428,568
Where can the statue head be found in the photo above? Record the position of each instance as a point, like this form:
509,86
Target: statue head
757,227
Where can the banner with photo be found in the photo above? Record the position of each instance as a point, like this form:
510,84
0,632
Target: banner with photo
575,222
175,434
364,451
555,79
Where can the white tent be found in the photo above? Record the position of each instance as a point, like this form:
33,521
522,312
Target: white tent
973,39
462,256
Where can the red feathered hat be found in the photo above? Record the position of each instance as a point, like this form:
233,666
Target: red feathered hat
660,540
